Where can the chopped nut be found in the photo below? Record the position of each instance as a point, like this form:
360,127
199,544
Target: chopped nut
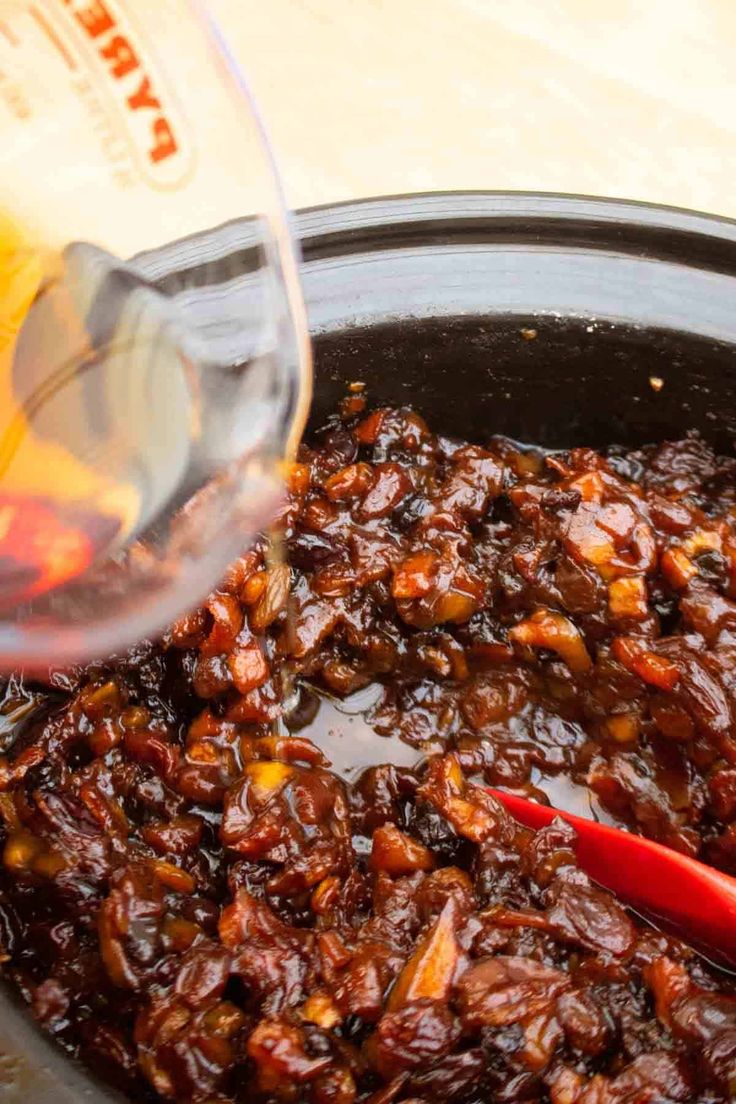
321,1010
431,969
173,877
627,598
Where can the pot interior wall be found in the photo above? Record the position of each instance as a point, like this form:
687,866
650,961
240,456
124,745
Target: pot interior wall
577,382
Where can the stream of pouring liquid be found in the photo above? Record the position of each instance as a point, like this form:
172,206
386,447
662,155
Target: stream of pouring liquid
81,455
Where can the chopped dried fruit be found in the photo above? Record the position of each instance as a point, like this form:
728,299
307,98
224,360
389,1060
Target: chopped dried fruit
248,666
495,992
272,601
214,888
547,629
350,482
654,669
396,853
677,568
298,479
413,577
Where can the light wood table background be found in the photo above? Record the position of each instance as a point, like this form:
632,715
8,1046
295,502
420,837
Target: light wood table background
633,98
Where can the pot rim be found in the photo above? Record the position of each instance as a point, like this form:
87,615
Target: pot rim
480,204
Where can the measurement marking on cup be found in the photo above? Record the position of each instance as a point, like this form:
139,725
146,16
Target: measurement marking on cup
53,38
6,32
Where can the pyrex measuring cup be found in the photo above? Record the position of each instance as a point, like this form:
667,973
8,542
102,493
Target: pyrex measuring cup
145,405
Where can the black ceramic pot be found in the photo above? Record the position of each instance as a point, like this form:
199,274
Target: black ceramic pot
424,298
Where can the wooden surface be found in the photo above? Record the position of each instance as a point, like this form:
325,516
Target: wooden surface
607,97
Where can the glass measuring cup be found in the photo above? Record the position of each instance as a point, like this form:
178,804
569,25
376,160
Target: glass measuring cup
146,406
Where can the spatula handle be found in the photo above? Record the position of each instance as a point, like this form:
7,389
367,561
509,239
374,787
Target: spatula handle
692,899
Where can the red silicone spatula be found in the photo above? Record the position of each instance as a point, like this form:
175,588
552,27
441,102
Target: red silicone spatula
684,896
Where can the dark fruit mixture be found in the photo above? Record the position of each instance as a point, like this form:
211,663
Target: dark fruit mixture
192,902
